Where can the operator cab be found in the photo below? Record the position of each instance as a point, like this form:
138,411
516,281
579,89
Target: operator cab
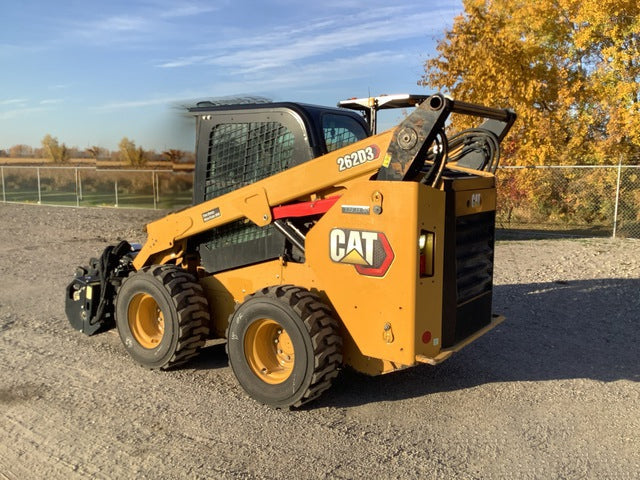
240,144
237,145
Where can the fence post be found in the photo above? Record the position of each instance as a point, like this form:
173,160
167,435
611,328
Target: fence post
157,188
4,195
615,210
77,197
116,192
153,186
39,193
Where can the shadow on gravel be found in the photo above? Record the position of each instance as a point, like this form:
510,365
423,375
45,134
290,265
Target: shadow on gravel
554,331
211,357
550,234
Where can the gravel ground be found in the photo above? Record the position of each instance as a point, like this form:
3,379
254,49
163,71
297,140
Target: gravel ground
551,393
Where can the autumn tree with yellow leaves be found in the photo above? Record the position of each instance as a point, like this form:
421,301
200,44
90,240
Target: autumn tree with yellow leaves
53,150
130,154
570,69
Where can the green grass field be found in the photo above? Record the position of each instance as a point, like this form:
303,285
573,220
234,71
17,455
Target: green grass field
94,188
125,200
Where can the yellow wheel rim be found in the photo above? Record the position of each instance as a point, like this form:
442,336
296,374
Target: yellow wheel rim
146,320
269,351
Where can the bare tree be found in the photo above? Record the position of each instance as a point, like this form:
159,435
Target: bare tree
94,151
173,155
21,151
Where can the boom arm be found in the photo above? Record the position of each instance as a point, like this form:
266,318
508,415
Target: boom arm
255,201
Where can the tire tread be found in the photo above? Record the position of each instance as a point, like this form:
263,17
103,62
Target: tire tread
321,326
191,308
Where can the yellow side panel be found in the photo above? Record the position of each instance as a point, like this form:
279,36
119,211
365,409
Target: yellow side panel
223,290
428,307
378,312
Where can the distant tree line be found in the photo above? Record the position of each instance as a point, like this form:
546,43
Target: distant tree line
128,153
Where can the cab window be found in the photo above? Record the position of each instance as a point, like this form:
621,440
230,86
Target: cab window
340,131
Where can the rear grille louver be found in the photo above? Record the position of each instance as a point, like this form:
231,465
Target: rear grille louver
474,255
467,295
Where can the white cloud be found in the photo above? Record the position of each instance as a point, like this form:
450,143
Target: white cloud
308,75
345,68
303,55
13,101
21,107
149,102
118,28
284,47
19,112
187,10
122,23
311,75
184,61
147,24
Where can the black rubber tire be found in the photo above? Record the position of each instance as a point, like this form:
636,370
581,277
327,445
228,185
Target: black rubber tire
184,308
314,334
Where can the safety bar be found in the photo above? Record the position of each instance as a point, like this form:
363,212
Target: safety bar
464,108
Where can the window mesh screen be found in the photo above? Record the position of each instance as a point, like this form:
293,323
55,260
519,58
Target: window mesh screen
243,153
240,154
240,231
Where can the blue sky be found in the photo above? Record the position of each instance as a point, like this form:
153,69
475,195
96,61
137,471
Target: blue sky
92,72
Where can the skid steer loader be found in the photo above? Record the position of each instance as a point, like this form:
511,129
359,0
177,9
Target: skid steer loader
312,243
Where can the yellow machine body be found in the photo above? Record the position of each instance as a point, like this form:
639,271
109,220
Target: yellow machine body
385,317
390,320
312,243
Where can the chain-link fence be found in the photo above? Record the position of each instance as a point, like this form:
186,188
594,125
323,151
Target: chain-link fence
88,186
578,201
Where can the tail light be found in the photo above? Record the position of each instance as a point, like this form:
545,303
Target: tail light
426,245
